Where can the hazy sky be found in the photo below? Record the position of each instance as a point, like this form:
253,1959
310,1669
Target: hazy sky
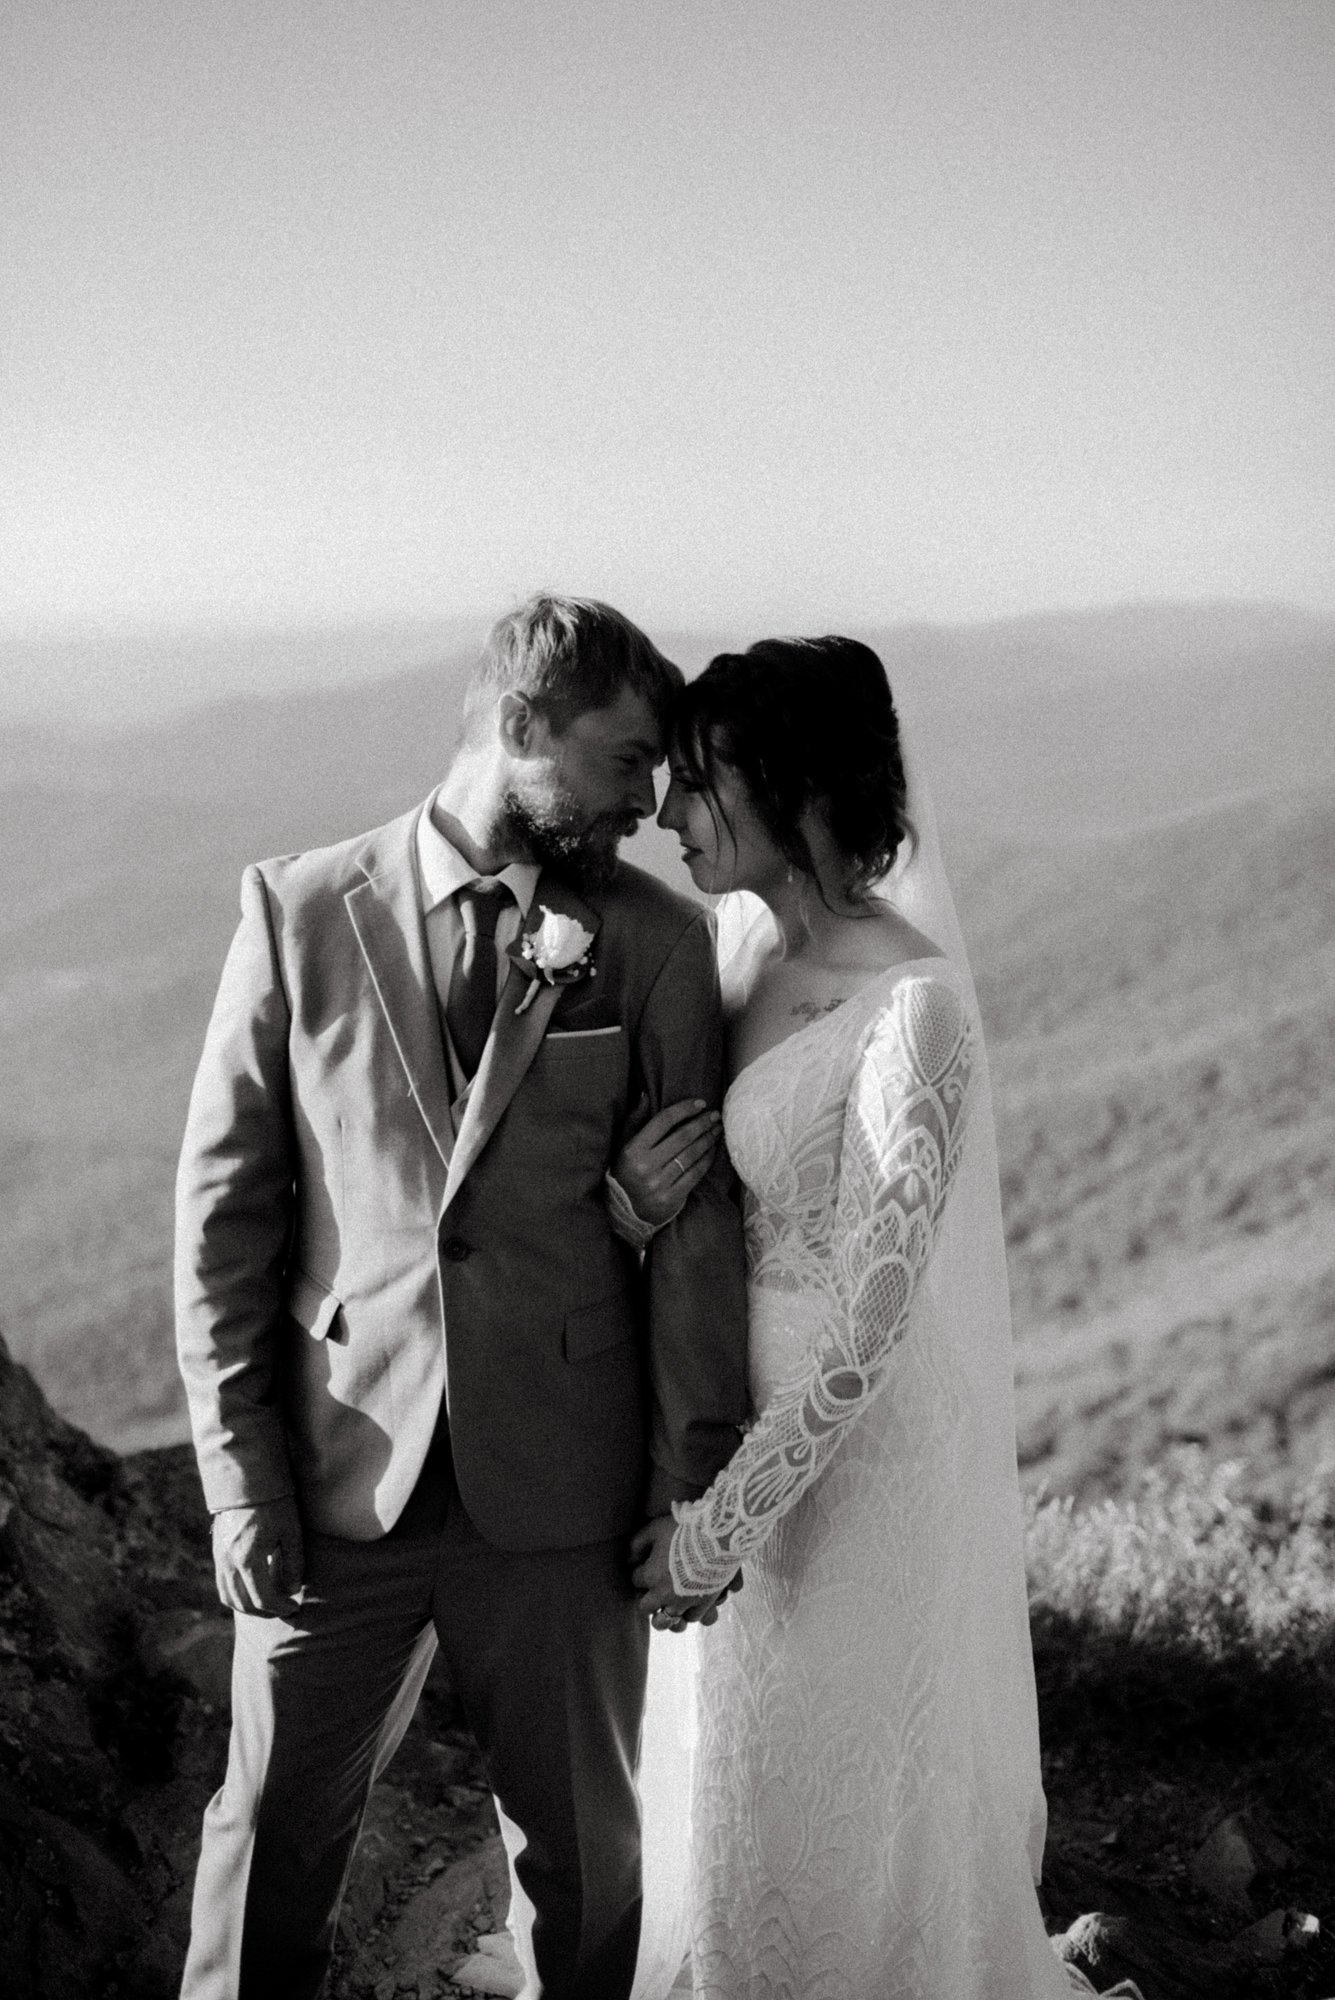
745,309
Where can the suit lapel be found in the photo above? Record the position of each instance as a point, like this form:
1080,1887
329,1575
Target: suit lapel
515,1036
386,913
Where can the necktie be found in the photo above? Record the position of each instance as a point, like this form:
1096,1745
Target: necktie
472,996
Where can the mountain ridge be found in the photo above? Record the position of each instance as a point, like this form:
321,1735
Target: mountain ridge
1013,743
1138,633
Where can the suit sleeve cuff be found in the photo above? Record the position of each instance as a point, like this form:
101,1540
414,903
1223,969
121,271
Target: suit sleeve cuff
629,1226
665,1488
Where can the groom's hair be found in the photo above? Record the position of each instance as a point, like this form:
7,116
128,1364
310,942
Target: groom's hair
567,655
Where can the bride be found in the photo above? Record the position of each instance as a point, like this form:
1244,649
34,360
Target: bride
866,1818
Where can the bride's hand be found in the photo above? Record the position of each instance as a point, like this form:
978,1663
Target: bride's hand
652,1577
667,1158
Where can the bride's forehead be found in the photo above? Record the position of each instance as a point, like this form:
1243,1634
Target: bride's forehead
701,756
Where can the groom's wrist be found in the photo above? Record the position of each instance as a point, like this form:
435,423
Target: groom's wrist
665,1487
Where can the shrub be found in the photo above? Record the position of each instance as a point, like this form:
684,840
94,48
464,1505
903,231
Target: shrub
1183,1622
1188,1568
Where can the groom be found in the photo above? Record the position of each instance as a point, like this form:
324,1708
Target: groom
432,1392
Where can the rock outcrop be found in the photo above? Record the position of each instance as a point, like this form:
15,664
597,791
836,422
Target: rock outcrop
114,1690
113,1710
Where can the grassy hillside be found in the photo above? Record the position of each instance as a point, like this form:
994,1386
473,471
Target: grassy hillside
1161,1010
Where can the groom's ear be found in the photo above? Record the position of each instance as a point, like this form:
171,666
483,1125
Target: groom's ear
517,724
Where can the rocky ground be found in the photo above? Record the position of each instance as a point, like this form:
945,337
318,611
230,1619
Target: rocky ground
113,1735
1188,1848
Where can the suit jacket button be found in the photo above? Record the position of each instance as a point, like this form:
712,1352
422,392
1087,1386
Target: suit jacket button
456,1249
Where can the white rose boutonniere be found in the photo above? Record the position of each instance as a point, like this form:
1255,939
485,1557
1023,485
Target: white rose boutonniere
555,954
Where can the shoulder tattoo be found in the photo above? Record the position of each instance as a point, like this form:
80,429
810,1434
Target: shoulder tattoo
811,1010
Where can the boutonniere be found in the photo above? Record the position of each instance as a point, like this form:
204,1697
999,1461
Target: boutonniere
555,954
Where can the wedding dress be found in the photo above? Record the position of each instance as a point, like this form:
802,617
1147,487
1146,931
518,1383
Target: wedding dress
858,1732
852,1836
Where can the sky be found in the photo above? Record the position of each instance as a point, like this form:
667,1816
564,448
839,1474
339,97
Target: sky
731,311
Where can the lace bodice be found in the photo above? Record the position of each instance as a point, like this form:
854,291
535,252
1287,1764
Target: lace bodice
846,1136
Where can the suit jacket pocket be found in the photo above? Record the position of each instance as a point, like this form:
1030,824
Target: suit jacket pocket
593,1329
312,1304
567,1045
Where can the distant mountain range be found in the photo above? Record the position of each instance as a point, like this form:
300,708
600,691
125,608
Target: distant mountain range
126,679
1091,773
1104,718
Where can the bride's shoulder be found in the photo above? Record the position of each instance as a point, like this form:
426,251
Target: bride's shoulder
922,1008
888,938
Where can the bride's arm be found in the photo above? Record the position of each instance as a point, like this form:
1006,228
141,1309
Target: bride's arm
903,1133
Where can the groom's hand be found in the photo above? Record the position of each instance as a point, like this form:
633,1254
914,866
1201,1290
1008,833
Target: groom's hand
259,1557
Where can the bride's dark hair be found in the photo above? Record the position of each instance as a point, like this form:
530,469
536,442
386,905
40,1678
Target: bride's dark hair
804,722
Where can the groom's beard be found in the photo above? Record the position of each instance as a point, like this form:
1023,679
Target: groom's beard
556,835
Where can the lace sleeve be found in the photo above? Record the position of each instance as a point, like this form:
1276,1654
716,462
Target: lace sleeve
903,1134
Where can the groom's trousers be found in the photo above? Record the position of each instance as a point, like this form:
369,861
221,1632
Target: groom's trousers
548,1656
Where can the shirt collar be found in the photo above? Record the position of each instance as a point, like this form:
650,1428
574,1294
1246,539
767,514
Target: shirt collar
443,870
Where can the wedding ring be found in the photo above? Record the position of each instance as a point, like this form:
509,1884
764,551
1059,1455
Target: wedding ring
678,1165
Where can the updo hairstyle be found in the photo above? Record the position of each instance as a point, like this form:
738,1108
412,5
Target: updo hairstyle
804,722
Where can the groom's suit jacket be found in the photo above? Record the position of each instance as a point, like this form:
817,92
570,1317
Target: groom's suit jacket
346,1258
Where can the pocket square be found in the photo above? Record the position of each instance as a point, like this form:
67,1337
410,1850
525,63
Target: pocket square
580,1034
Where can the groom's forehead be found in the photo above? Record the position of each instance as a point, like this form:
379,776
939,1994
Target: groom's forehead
626,726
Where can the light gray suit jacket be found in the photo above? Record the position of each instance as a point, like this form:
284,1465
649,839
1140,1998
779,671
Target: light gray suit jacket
344,1260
